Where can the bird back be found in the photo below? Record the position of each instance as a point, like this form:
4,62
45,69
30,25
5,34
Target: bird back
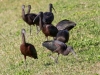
63,35
48,17
53,30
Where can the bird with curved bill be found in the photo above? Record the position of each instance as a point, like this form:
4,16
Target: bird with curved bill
58,47
27,49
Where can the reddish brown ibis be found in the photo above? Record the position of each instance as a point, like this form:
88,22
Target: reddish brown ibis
47,29
27,49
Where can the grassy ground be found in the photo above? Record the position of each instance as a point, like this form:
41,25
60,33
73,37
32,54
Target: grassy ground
85,38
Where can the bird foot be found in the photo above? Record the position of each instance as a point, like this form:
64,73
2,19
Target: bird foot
52,57
56,61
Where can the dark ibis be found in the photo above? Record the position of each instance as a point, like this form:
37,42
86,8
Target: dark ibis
47,29
48,17
27,49
62,35
65,24
58,47
29,17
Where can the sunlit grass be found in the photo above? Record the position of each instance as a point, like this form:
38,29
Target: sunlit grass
84,38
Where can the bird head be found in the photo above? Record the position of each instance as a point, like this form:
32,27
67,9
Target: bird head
23,31
23,6
51,7
29,6
70,50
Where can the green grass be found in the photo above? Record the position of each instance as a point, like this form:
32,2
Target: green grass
85,38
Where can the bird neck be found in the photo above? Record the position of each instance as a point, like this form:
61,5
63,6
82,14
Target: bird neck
23,13
50,9
66,52
41,21
23,38
29,9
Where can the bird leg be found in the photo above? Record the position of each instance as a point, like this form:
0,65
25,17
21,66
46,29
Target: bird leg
74,53
38,30
25,61
52,57
57,50
30,29
47,38
56,60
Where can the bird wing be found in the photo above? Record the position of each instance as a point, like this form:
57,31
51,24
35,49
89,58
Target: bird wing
32,16
49,45
33,51
62,35
48,17
65,24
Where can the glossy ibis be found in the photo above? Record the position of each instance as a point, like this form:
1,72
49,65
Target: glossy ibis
63,36
47,29
48,17
65,24
58,47
27,49
29,17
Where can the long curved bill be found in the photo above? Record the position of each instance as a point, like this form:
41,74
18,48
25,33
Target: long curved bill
36,17
53,9
72,50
